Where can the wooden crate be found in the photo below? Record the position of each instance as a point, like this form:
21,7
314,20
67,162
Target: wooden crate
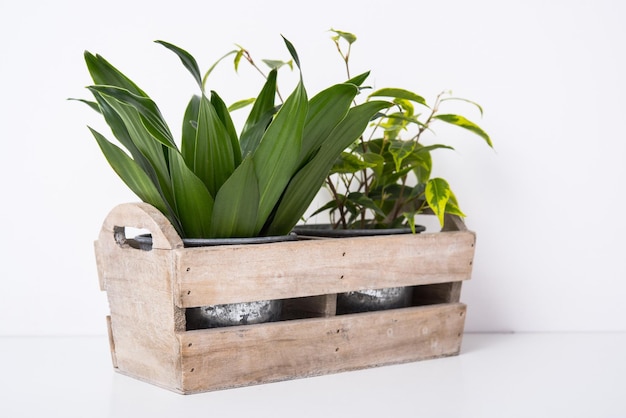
148,292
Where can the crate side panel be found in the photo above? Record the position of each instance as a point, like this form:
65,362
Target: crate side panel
231,274
144,319
218,359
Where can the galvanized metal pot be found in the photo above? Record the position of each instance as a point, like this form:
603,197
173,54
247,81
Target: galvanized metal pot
369,299
244,313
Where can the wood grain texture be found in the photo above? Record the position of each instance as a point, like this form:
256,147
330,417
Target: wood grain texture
218,359
148,292
229,274
139,290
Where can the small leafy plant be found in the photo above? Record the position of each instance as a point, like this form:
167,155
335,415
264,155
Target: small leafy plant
383,179
219,183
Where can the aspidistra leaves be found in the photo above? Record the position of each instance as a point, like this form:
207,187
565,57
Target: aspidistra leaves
219,184
187,59
236,204
214,158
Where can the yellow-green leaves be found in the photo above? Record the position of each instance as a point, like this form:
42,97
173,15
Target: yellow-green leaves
441,199
463,122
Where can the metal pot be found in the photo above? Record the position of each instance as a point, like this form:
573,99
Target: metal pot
244,313
374,300
368,299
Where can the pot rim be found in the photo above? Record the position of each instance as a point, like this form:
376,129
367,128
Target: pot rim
325,230
146,239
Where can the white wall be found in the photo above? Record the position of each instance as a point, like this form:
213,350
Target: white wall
546,204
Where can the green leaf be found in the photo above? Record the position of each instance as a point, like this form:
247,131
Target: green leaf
401,150
236,204
359,79
463,122
437,195
376,162
194,204
400,94
133,176
260,116
479,107
127,124
148,110
360,199
276,157
187,59
214,156
309,179
189,131
326,110
210,70
292,51
103,72
349,163
276,64
240,104
224,115
347,36
92,105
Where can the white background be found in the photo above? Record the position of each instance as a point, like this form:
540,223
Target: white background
546,204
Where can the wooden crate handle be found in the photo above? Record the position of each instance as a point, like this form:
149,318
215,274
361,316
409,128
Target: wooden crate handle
143,216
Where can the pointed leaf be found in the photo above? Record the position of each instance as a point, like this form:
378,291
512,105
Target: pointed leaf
260,116
437,196
326,110
92,105
307,182
224,115
400,94
210,70
190,130
347,36
214,159
187,59
276,158
292,51
236,204
103,72
467,124
133,176
359,79
194,204
401,150
148,110
127,124
360,199
240,104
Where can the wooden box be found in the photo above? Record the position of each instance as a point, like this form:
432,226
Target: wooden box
148,292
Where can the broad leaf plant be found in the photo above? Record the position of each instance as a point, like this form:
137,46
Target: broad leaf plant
220,183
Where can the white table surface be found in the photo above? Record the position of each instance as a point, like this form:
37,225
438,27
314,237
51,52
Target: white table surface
496,375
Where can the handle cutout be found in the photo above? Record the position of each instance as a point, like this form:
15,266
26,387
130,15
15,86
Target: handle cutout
126,236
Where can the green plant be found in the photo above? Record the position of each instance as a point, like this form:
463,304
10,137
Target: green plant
383,180
219,183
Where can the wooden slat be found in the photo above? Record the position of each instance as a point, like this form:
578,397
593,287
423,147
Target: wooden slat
143,319
228,274
217,359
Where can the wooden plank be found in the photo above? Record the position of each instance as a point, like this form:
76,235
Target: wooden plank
143,319
230,274
224,358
